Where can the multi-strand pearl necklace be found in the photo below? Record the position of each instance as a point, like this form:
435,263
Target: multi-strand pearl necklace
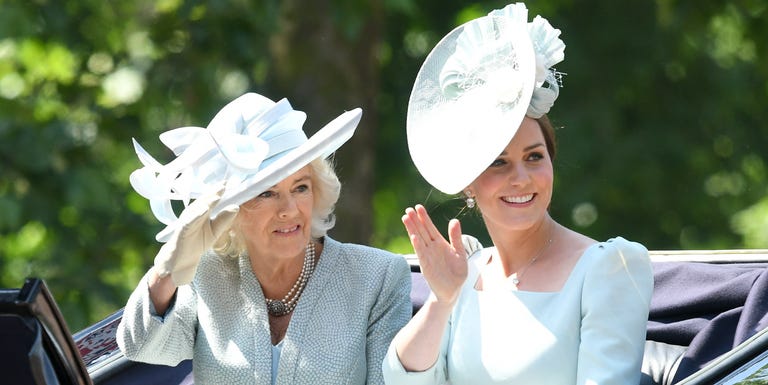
281,307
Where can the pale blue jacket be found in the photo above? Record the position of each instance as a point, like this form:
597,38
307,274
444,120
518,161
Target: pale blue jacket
357,299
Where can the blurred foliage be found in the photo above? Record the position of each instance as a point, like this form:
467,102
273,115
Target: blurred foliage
662,119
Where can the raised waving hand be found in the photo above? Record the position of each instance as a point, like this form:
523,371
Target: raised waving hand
443,263
444,266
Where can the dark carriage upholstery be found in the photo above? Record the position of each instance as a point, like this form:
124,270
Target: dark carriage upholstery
709,308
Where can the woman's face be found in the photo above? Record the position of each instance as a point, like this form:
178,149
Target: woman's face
277,223
514,192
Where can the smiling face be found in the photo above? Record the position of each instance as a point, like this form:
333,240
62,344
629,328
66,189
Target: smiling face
277,223
513,193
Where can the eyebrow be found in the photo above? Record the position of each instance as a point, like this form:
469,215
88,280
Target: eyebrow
529,148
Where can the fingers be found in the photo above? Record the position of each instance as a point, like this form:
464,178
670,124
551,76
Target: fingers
422,251
199,210
413,225
418,222
454,234
426,221
429,245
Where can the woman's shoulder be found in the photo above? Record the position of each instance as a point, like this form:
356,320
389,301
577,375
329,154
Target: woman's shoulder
619,258
360,255
367,266
616,270
212,260
215,267
621,248
613,253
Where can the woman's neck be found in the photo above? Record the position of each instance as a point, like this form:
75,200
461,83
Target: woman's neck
277,275
516,249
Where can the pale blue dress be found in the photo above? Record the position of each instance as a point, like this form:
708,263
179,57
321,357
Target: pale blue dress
592,331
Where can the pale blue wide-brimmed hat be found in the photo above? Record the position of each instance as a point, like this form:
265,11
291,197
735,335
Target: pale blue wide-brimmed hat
249,146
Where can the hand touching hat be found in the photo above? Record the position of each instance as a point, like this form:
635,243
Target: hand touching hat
195,233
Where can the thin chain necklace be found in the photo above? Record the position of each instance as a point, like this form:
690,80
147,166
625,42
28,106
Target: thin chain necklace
519,274
281,307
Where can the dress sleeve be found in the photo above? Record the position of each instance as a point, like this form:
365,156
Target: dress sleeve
615,300
395,373
164,339
391,311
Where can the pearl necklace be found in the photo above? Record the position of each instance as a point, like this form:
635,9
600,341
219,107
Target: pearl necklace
516,277
281,307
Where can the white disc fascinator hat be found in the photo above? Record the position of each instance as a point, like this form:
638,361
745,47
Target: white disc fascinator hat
250,145
473,90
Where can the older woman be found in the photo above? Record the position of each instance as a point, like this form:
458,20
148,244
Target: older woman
546,304
248,284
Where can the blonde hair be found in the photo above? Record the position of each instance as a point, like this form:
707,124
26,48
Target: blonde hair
325,189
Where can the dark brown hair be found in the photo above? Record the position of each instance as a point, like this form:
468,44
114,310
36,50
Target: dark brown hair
548,131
